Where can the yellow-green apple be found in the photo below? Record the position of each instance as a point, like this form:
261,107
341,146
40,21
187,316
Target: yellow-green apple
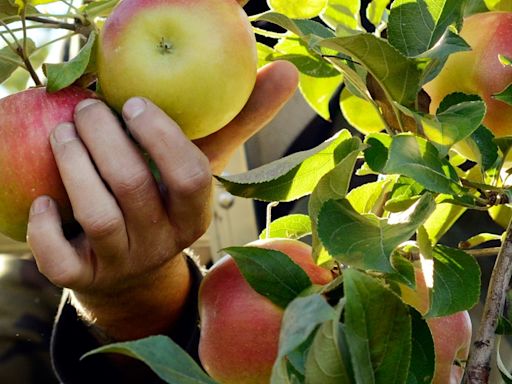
195,59
239,327
451,334
27,166
480,71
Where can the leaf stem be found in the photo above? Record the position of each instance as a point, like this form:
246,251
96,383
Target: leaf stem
479,363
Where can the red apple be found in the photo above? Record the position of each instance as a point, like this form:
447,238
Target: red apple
27,166
480,71
239,327
195,59
451,334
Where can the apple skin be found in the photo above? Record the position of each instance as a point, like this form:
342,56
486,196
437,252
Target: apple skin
239,327
479,71
195,59
451,334
27,166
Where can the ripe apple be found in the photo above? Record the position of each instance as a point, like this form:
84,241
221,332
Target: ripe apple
195,59
239,327
451,334
480,71
27,166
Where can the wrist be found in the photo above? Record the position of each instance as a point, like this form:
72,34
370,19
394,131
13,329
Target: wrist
153,305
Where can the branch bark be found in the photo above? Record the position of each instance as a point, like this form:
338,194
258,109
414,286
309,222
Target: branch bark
479,363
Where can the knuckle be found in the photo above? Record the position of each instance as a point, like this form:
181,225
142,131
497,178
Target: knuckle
99,226
136,184
193,179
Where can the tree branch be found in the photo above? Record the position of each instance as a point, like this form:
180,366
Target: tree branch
479,363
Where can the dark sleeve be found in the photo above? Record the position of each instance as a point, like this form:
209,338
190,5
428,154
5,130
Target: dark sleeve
72,338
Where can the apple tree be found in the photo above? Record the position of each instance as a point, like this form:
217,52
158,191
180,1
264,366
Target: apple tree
404,264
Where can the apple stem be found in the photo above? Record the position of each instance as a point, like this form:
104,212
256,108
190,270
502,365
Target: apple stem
479,363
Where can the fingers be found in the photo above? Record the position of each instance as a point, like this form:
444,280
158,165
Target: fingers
275,85
123,168
55,256
184,169
93,205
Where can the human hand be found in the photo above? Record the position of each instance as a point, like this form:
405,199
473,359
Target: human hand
127,261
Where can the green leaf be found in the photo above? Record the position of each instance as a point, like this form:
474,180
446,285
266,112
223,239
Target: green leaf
416,26
264,54
395,73
289,178
318,92
378,330
404,193
8,8
504,371
369,197
171,363
294,226
505,95
433,60
499,5
10,61
293,50
456,282
333,185
362,114
304,29
458,122
366,241
422,365
415,157
442,219
342,14
62,75
271,273
298,9
101,8
300,319
377,12
326,363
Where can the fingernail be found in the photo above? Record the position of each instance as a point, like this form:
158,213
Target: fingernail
40,205
84,103
133,108
65,132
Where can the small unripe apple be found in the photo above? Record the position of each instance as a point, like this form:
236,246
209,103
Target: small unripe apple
195,59
451,334
480,71
27,166
239,327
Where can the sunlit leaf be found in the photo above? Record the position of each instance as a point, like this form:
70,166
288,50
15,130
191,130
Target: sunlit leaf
292,226
342,14
298,9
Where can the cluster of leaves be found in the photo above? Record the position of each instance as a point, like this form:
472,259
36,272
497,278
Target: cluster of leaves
357,329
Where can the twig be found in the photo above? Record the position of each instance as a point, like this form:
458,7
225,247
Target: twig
479,363
50,22
23,52
483,252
